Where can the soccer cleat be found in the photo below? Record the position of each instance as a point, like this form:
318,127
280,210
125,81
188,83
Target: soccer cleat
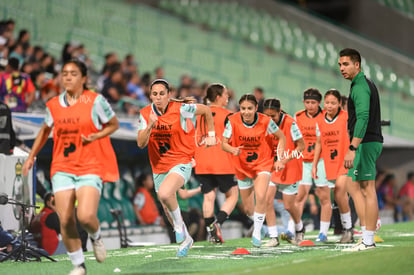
322,238
78,270
99,250
215,233
256,242
289,237
180,237
359,247
185,246
347,236
273,242
378,239
300,235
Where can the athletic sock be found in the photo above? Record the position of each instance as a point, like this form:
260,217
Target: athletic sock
299,226
222,217
368,237
346,220
96,235
209,221
273,231
77,258
324,228
258,223
177,220
363,228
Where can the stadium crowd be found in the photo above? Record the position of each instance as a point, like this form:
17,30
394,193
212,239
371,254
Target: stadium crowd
30,77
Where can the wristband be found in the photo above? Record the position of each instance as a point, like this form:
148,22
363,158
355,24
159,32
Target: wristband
352,148
211,133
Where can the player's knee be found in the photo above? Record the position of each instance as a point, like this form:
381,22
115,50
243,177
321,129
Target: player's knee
86,218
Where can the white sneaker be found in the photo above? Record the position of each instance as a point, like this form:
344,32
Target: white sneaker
78,270
99,250
359,247
273,242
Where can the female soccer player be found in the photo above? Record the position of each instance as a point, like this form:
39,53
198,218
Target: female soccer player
306,120
83,158
332,143
167,128
214,167
246,137
286,180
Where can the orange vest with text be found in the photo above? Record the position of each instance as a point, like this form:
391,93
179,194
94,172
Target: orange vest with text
169,145
69,154
293,170
335,144
257,153
213,160
307,126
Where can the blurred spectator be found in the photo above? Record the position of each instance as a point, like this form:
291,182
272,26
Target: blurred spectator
4,52
110,59
24,39
259,95
37,54
6,241
159,73
135,91
129,66
7,31
17,52
114,88
48,63
7,135
18,92
51,87
66,52
406,196
232,104
379,178
46,227
387,197
145,206
80,53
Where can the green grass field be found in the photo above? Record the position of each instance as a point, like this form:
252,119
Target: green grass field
394,256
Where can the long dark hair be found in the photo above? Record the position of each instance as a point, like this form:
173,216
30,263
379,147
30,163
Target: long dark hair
82,68
213,90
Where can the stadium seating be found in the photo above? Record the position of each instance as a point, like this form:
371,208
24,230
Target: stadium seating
243,49
404,6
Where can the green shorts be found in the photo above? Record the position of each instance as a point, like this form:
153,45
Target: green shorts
307,179
288,189
183,170
64,181
248,182
331,183
366,156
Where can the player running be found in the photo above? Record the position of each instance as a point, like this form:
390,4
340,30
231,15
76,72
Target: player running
214,168
286,180
168,129
246,137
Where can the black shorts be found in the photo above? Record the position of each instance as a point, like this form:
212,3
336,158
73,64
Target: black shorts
209,182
